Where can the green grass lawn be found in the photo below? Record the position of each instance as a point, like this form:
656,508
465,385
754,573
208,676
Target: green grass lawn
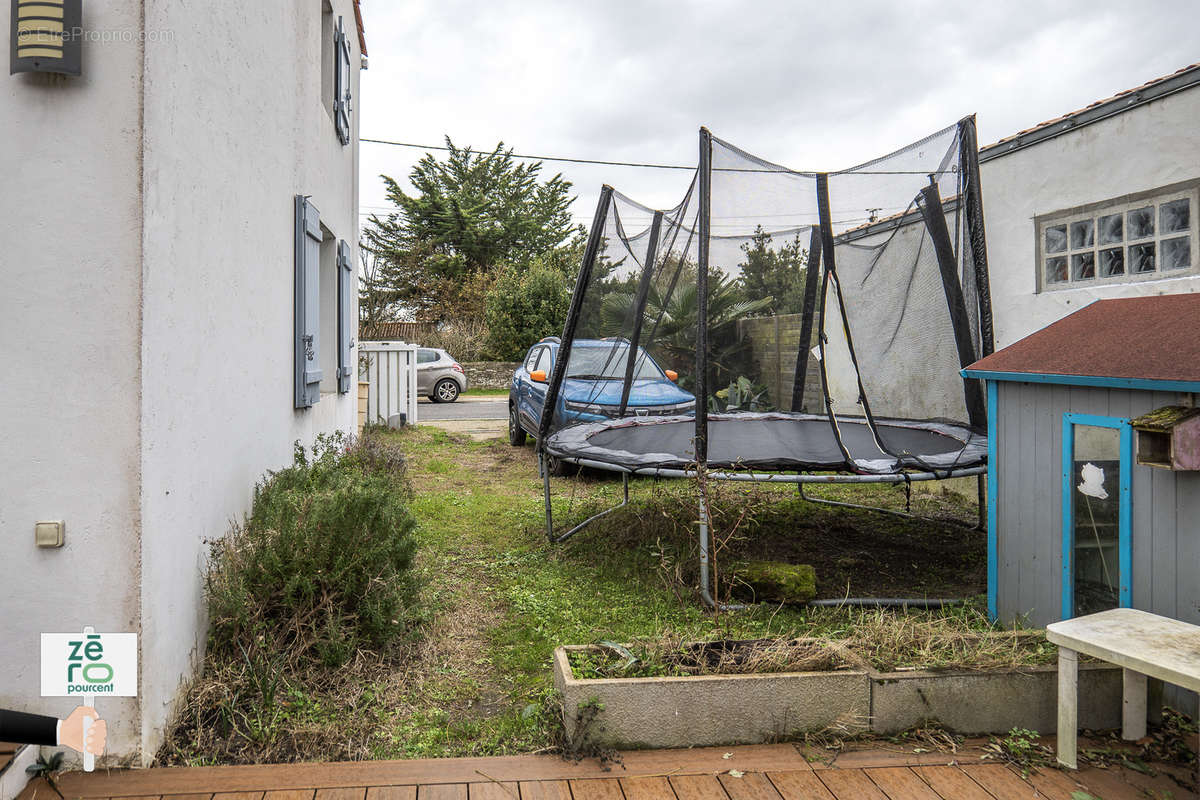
503,597
486,392
498,597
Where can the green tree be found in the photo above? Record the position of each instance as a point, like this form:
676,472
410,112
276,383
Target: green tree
469,217
777,273
524,305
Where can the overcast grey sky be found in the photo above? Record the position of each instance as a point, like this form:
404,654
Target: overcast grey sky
810,85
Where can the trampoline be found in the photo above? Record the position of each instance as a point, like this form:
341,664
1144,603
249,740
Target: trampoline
820,321
769,442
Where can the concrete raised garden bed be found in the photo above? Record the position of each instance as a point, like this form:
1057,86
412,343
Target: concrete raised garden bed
710,709
988,701
741,709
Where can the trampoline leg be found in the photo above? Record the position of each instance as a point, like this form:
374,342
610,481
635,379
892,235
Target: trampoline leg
901,514
704,592
705,589
546,496
803,496
550,511
591,519
982,503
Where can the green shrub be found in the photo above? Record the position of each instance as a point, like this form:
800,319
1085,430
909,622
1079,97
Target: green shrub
321,567
524,305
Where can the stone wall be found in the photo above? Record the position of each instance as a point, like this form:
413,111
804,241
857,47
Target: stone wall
774,342
489,374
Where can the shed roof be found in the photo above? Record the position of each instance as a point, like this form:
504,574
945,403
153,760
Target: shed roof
1140,338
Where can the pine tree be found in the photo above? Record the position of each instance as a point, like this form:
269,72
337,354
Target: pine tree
778,273
470,216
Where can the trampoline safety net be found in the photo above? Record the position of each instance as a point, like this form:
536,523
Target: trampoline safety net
782,320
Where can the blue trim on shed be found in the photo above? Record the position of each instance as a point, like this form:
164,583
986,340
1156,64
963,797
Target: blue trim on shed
1124,506
993,494
1102,381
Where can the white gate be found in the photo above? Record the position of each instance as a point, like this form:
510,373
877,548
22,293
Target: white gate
390,370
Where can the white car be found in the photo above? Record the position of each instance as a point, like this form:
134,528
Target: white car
439,377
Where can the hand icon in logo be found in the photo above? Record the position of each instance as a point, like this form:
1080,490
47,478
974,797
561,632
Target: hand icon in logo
72,735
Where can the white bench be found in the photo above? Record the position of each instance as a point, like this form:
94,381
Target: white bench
1142,644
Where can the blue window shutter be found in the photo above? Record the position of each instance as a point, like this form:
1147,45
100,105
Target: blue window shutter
341,83
308,303
347,287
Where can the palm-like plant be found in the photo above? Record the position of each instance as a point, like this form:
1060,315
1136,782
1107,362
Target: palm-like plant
670,316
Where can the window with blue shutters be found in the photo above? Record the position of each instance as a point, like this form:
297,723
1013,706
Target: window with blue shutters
308,303
347,287
341,83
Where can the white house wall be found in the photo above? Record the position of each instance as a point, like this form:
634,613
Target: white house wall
1142,149
148,320
69,339
235,127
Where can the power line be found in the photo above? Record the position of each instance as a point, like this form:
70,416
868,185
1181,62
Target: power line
646,165
691,168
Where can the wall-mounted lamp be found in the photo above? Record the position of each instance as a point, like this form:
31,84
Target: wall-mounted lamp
46,36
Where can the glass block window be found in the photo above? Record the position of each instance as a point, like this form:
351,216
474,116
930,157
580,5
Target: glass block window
1119,242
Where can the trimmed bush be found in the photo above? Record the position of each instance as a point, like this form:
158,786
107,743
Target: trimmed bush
320,569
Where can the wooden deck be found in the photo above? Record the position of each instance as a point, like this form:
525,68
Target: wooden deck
7,751
767,772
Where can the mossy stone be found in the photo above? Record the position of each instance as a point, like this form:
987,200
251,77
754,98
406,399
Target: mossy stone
775,580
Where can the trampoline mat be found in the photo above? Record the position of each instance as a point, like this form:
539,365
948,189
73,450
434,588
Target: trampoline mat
772,441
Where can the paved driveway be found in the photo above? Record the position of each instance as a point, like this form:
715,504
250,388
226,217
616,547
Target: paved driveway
478,417
466,407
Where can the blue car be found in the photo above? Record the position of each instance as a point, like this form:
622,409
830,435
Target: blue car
591,390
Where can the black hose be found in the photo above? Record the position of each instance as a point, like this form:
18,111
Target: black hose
888,602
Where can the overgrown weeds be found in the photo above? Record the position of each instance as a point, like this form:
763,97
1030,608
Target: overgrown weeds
956,638
672,656
309,596
887,639
319,570
1021,748
1170,742
491,599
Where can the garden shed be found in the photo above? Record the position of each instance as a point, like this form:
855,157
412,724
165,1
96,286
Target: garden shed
1093,486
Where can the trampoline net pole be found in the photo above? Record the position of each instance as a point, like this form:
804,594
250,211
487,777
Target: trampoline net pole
812,280
977,240
929,202
639,310
594,243
705,214
826,226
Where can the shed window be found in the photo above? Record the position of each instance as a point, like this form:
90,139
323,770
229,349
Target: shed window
1119,242
1097,464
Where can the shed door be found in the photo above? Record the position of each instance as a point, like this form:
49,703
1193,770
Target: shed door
1097,468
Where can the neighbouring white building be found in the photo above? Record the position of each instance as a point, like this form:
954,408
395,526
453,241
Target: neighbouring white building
1099,203
179,294
1096,204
